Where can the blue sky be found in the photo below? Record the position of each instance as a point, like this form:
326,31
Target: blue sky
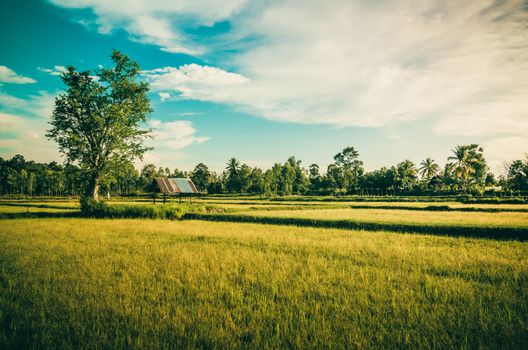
263,80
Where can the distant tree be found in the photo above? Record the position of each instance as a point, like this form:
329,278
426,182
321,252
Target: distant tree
490,179
97,123
233,180
216,183
257,181
335,178
377,181
244,179
468,166
200,176
518,175
351,169
428,168
315,178
405,175
178,173
146,177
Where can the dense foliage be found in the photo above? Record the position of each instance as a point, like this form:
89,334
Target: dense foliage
466,172
97,121
96,209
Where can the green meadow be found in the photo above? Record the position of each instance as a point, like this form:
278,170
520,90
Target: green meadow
76,282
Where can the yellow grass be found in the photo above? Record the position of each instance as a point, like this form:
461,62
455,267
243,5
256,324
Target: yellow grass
85,283
513,219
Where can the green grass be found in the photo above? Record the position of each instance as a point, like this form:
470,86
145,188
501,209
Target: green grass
262,204
501,219
88,283
31,209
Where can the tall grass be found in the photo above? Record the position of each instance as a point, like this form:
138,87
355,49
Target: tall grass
86,283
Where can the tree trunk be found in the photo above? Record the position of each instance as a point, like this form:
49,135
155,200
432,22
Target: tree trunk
93,187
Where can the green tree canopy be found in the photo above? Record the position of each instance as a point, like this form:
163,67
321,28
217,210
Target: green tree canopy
97,121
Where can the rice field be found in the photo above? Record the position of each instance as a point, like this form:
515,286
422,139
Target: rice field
143,283
501,219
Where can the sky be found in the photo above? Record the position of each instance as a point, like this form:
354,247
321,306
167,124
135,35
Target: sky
264,80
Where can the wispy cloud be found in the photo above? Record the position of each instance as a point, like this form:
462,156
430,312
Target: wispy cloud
175,135
27,137
345,63
170,138
164,96
460,65
8,75
157,22
194,81
57,70
40,104
8,101
23,124
190,114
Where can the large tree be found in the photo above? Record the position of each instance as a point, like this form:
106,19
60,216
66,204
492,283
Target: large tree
97,121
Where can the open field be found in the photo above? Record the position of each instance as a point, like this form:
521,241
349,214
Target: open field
501,219
372,203
149,283
143,283
32,209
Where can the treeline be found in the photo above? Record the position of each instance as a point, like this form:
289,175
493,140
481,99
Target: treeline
466,171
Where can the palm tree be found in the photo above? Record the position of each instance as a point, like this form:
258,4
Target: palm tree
233,167
428,168
462,166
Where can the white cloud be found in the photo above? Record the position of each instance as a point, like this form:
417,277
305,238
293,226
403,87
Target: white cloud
175,135
27,137
170,138
157,22
40,105
164,96
194,81
24,122
10,76
8,101
190,114
57,70
461,64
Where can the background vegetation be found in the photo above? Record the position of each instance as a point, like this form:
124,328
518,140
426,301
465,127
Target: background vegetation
465,173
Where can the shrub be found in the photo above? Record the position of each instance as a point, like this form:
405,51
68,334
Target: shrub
91,208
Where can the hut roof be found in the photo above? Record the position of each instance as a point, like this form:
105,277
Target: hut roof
176,185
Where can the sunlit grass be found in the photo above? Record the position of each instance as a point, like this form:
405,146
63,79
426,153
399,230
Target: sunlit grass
509,219
86,283
31,209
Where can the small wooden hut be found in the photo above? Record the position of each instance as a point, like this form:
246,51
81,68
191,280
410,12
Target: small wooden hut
180,187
